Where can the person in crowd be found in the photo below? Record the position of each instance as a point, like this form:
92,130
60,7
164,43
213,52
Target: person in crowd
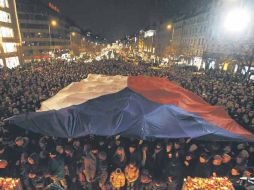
43,161
134,155
145,180
131,173
156,161
227,164
217,169
90,167
236,173
56,168
203,168
102,170
119,159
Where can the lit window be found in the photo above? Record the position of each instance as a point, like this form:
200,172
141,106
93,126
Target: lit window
9,47
12,62
1,63
6,32
5,17
4,3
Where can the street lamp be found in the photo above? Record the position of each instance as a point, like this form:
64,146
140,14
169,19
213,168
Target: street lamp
52,23
169,27
237,21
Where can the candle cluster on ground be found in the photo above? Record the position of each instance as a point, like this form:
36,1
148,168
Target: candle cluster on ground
8,183
215,183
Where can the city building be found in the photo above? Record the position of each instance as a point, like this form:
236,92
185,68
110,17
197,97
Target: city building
45,31
10,41
200,33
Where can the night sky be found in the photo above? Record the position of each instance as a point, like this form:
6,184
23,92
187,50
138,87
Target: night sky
115,18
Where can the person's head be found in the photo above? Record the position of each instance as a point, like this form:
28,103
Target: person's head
158,148
244,154
19,141
217,160
68,150
188,156
169,147
102,155
177,145
132,164
248,172
226,158
120,150
235,171
94,149
132,148
3,164
118,142
52,154
76,143
32,158
60,149
32,174
203,158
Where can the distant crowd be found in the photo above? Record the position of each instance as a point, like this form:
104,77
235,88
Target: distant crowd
115,162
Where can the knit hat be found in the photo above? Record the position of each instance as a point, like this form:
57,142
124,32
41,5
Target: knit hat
244,154
217,157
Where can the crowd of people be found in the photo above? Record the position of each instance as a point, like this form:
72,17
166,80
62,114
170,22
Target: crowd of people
43,162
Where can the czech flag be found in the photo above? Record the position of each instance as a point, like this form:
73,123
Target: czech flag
135,106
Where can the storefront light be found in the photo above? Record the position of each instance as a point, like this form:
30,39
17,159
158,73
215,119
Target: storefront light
4,4
5,17
9,47
6,32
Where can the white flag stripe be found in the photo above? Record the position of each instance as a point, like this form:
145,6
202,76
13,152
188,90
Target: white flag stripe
79,92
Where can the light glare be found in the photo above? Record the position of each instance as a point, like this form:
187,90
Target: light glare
237,20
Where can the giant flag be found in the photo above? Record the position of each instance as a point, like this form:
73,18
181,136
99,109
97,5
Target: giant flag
137,106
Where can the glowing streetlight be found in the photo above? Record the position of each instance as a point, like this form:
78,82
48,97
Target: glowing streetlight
237,20
73,34
54,24
169,26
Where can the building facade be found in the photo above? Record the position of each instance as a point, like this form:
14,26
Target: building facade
45,32
201,32
10,41
35,29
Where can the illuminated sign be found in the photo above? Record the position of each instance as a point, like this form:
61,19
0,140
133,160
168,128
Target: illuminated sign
149,33
53,7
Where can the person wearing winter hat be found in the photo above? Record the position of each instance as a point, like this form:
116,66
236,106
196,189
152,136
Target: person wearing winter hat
244,154
217,170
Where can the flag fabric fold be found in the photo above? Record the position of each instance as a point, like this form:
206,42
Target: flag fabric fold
141,107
